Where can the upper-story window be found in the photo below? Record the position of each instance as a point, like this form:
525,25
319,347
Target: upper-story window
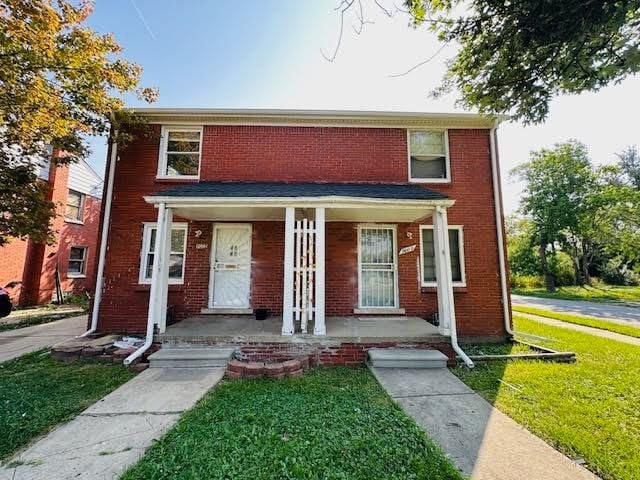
429,156
74,210
180,152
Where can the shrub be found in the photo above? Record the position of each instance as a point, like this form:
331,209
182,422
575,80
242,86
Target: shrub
561,267
526,281
616,273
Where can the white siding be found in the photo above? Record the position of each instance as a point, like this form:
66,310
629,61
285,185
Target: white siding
83,179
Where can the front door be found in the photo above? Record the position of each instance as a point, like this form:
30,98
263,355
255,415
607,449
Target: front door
230,266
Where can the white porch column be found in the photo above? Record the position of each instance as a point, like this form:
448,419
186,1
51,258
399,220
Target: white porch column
155,296
319,326
287,294
164,251
444,281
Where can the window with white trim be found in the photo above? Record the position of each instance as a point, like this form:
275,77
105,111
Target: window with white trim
77,262
177,255
429,156
180,152
427,255
74,209
377,266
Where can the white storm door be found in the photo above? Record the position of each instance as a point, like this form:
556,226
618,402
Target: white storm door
377,269
230,266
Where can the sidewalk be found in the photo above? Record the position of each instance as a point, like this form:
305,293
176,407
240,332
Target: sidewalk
484,443
14,343
114,433
598,332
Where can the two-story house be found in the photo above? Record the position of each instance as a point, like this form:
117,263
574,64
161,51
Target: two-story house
345,229
29,268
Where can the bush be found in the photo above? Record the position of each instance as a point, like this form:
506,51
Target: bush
79,299
616,273
526,281
561,267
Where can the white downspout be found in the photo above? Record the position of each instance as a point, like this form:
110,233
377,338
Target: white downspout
97,296
499,233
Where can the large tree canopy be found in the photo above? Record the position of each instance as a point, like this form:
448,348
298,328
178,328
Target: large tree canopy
516,55
59,82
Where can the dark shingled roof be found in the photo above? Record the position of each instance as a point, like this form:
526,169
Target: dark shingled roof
279,189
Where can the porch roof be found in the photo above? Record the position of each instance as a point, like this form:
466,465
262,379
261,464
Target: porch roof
304,190
249,201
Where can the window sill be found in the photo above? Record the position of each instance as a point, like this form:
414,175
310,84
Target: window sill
73,220
176,179
76,275
146,287
429,180
433,289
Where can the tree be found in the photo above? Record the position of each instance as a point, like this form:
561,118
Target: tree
58,83
521,251
559,186
515,56
630,166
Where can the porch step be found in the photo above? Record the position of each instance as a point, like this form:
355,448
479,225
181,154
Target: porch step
406,358
190,357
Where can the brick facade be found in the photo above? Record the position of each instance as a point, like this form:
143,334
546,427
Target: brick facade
329,154
30,266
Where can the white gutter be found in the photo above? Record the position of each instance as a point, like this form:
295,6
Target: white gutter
97,297
499,233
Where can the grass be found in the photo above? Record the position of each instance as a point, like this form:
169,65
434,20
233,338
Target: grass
36,320
599,293
332,423
37,393
587,410
629,330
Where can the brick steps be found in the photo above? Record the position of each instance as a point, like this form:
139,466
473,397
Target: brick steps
406,358
190,357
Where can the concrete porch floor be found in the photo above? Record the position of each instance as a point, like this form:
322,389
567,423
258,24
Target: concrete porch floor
245,328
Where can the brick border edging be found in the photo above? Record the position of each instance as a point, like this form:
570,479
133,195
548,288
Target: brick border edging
247,369
104,354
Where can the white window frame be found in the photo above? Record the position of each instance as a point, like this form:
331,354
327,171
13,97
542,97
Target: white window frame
83,198
164,142
146,241
396,298
83,273
447,159
463,276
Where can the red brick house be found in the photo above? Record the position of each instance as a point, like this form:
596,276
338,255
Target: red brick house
29,268
344,226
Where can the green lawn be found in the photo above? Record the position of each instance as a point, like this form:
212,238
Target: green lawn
332,423
37,393
581,320
589,409
599,293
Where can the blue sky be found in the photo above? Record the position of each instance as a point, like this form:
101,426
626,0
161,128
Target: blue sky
267,54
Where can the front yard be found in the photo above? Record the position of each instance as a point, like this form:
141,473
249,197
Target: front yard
587,410
38,393
617,327
331,423
598,293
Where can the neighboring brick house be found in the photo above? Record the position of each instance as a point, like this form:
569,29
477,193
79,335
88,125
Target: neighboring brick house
308,215
29,268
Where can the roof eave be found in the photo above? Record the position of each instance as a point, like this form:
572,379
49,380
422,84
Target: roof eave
207,116
332,201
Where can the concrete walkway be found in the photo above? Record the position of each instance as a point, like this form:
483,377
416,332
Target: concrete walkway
114,433
598,332
625,313
484,443
14,343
